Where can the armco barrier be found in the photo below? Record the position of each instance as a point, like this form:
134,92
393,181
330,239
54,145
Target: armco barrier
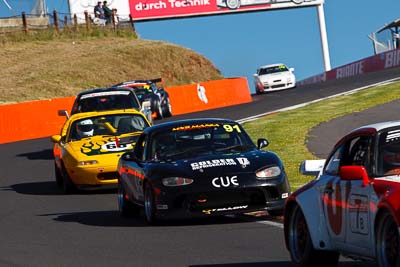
38,119
386,60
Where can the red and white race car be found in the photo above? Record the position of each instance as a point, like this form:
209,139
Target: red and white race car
352,207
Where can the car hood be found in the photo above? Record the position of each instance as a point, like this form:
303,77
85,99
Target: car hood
220,164
100,147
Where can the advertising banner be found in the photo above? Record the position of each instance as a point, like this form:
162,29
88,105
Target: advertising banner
142,10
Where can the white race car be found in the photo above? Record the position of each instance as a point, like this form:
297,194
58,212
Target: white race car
274,77
352,207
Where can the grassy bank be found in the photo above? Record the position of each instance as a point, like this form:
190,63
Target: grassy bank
288,131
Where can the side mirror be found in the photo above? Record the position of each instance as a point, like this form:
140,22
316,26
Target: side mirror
56,138
354,173
311,167
291,69
129,156
262,142
63,113
255,75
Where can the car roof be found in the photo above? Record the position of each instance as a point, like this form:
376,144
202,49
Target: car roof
179,123
104,89
83,115
379,126
271,65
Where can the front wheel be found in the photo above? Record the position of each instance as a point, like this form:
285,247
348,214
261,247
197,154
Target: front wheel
67,185
387,242
301,248
125,207
149,204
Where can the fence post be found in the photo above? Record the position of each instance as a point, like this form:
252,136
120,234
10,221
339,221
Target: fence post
56,21
24,23
87,20
75,23
131,21
113,14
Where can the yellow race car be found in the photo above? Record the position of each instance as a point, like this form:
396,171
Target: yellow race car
86,152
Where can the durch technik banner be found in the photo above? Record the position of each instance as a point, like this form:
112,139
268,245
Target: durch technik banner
142,10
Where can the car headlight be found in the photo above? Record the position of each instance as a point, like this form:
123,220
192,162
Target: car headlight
87,162
176,181
268,172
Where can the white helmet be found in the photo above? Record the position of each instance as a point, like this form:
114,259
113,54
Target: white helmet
85,128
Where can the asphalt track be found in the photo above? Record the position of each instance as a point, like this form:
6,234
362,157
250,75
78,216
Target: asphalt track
41,227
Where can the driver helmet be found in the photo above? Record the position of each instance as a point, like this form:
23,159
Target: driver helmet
84,128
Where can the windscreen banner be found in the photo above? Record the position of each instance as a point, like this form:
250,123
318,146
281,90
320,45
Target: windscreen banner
142,10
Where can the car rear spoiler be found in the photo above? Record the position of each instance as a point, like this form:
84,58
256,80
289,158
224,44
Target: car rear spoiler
157,80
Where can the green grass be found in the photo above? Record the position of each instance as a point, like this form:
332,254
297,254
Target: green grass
288,131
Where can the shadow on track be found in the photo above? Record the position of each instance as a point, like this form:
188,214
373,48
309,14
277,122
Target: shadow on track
111,218
283,264
48,188
46,154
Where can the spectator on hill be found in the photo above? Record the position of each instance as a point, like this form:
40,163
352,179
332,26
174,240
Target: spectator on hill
99,11
107,12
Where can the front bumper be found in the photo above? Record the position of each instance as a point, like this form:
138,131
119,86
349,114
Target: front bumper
175,203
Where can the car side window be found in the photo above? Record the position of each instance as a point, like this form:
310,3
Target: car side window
332,167
359,152
140,147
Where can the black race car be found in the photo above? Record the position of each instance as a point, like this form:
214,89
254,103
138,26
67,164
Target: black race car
108,98
200,167
147,90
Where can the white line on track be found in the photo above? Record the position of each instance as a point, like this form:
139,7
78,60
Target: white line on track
272,223
252,118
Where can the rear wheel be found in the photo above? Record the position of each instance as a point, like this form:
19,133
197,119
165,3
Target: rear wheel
149,204
233,4
125,207
387,242
301,248
167,109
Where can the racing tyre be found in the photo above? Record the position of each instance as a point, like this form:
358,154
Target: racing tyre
387,242
301,248
233,4
125,207
167,109
67,186
149,205
59,178
297,1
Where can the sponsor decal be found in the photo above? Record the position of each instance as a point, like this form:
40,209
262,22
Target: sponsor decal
225,181
105,94
194,127
334,204
350,70
392,59
219,162
243,161
212,163
201,93
104,147
209,211
285,195
358,213
393,136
